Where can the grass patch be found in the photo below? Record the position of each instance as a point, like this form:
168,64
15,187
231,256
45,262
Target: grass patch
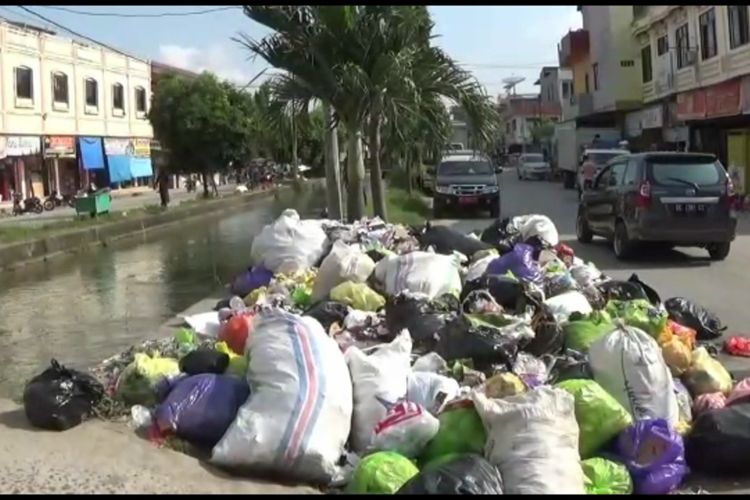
401,207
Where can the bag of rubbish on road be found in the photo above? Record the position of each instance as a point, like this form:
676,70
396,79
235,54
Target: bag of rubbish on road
379,381
502,385
605,477
137,382
685,312
508,292
533,441
581,333
478,267
549,337
563,305
684,405
640,314
431,390
568,365
406,429
295,370
420,315
461,431
237,362
204,361
520,261
535,226
200,408
249,280
60,398
706,375
621,290
343,263
358,296
719,441
654,454
383,472
235,331
628,364
458,474
585,274
600,417
328,312
420,272
289,244
446,240
651,294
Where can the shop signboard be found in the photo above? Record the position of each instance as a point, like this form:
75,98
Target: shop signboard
652,117
57,146
118,147
20,145
723,99
633,124
142,148
691,105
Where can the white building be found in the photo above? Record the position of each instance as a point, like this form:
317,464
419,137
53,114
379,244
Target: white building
60,99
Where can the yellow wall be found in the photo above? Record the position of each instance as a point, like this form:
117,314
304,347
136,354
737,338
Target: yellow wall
579,75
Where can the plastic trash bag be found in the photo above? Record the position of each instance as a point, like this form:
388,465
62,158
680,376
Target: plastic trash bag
328,313
464,474
651,294
478,268
737,346
628,364
486,345
740,393
520,261
507,292
420,272
502,385
60,398
605,477
536,226
563,305
719,442
581,333
250,279
379,382
235,331
136,384
296,370
709,401
684,402
677,356
430,362
200,408
569,365
655,456
358,296
461,431
548,336
600,417
204,361
533,441
622,290
383,472
707,325
237,362
684,334
406,429
446,240
530,369
640,314
706,375
585,274
421,316
558,284
431,390
343,263
289,244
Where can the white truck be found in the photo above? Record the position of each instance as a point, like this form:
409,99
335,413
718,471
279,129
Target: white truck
569,143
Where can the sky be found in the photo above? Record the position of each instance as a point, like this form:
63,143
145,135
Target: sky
494,42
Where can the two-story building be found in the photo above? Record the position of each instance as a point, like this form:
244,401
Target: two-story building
70,113
520,114
556,88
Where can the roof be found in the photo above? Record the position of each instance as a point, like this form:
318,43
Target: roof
463,157
674,154
606,150
164,69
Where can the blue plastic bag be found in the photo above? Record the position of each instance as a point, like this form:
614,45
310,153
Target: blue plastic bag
200,408
249,280
655,456
520,261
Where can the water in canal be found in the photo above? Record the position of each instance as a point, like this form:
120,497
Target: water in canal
81,310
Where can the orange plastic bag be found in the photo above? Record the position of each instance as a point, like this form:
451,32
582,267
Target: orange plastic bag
235,332
685,334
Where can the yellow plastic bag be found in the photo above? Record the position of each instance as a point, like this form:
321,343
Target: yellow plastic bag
677,356
706,375
136,382
357,295
237,362
503,385
254,296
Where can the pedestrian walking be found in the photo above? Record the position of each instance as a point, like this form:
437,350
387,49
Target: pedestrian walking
162,183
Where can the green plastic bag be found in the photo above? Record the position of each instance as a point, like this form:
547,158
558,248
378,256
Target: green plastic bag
605,477
357,295
600,416
136,382
383,472
580,334
640,314
237,362
461,431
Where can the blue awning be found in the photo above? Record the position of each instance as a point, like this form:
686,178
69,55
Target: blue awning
141,167
119,168
92,153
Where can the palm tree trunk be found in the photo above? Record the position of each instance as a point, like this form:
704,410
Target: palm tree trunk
376,177
355,201
333,175
295,160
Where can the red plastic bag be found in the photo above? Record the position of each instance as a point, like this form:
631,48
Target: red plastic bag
738,346
235,332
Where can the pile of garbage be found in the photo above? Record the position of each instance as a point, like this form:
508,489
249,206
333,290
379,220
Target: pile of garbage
376,358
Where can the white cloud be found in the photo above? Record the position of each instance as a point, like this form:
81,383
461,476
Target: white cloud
217,58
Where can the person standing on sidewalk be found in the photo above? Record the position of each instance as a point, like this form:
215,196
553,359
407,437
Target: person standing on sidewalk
162,183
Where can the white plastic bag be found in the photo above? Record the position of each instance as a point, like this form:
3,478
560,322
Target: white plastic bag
533,440
540,226
298,416
478,268
585,274
628,364
430,362
406,429
424,389
289,244
563,305
379,382
420,272
343,263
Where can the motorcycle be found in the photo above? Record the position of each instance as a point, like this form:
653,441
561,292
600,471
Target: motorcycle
56,200
29,205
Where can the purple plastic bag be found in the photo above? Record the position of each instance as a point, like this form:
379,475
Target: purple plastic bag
520,261
655,456
249,280
200,408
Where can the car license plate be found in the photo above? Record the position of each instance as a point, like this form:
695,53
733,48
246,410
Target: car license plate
468,200
689,208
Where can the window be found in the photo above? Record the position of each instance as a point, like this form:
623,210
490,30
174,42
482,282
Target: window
627,63
662,45
565,90
682,40
618,170
646,69
595,67
453,168
24,83
586,83
59,88
118,97
738,25
707,23
631,174
696,173
140,100
92,93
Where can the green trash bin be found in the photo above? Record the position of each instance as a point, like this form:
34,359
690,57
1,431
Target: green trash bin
94,204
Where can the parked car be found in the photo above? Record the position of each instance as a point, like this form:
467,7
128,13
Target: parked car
598,158
676,199
532,165
466,181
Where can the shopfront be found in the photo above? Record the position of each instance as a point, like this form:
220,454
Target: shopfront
643,128
21,168
61,164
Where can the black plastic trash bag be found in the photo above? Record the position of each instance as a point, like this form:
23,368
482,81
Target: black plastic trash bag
484,345
548,339
58,398
328,313
506,291
569,365
460,474
204,361
687,313
719,441
651,294
421,317
446,240
621,290
497,235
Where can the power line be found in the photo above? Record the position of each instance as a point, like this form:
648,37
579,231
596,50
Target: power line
122,14
18,15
